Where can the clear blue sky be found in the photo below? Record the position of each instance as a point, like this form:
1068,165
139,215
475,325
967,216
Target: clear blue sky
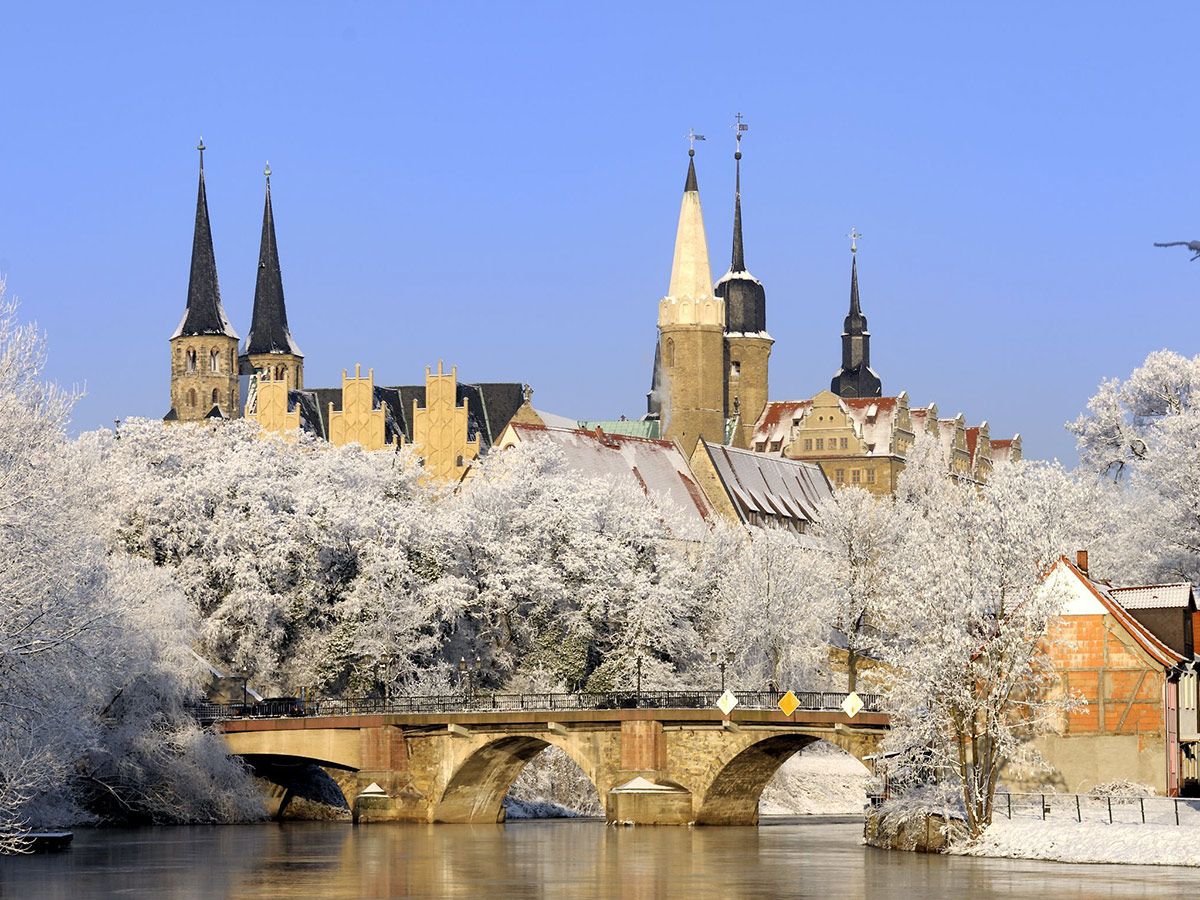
497,185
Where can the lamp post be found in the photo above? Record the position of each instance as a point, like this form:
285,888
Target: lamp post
722,660
639,679
467,671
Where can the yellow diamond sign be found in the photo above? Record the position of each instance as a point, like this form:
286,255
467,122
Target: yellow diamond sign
852,704
788,703
727,702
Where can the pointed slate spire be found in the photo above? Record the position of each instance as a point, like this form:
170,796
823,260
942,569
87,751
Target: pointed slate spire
269,331
856,378
204,313
856,322
744,296
691,275
739,255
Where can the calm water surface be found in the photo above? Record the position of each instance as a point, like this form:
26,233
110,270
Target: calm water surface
546,859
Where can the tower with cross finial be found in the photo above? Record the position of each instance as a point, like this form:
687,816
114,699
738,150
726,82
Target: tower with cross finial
747,343
204,379
856,378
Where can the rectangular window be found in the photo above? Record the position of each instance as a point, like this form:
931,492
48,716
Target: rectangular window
776,446
820,443
808,443
855,475
870,476
735,368
760,446
844,443
839,476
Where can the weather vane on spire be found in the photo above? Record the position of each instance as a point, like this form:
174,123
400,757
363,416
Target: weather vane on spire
738,127
692,138
854,235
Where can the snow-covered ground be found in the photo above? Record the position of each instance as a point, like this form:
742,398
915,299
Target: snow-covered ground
1090,842
819,780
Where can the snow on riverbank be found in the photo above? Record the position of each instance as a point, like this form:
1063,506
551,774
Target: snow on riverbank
820,780
1091,842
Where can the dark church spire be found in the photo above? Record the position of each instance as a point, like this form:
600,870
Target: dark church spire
204,313
855,378
744,296
269,331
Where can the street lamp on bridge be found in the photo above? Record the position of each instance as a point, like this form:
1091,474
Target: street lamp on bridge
722,660
467,672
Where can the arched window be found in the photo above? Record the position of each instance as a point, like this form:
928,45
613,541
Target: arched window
191,360
192,398
670,352
214,400
214,360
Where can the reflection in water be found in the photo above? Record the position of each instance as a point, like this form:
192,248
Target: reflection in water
542,859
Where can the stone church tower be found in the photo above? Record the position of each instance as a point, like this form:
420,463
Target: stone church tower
269,351
689,382
747,344
856,378
204,374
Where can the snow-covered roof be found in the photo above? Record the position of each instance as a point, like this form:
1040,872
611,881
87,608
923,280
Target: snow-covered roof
657,466
1154,596
770,486
775,422
1149,642
552,420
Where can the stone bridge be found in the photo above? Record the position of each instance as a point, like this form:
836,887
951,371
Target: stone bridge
649,766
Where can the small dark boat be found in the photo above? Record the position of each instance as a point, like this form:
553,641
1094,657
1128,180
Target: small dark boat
50,841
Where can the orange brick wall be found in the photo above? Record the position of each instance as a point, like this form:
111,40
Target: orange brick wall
1123,689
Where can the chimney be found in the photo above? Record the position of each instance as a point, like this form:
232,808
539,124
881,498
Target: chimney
1081,561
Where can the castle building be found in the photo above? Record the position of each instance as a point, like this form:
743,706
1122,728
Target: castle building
204,374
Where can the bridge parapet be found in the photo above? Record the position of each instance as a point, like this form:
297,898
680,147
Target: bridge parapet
809,701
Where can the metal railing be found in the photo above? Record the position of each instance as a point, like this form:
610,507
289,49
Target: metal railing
810,701
1099,808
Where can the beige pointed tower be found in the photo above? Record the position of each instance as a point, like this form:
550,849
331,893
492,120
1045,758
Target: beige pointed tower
691,334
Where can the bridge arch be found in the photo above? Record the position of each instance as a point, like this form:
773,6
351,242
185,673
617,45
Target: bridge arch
732,797
476,790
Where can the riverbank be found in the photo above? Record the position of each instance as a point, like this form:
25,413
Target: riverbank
1089,842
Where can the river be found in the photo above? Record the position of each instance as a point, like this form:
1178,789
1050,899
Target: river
782,858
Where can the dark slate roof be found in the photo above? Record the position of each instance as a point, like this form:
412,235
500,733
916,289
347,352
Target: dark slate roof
171,416
744,296
269,331
204,313
770,486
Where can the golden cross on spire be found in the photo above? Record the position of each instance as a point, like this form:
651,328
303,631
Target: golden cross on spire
692,138
854,236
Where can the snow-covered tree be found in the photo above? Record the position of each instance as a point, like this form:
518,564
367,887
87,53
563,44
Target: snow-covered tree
1144,433
77,630
858,532
967,612
767,610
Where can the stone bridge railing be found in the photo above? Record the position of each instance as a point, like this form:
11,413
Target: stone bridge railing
549,702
